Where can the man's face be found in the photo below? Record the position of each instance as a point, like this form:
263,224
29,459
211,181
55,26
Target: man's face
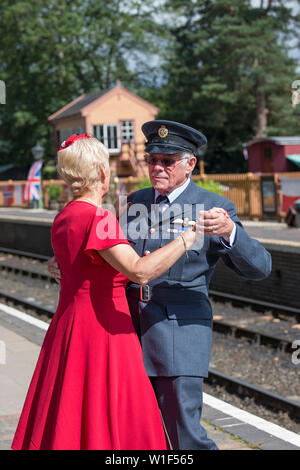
168,172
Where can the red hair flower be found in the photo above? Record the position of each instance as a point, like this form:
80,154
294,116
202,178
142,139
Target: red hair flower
72,139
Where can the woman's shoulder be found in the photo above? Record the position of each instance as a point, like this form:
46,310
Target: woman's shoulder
77,211
83,212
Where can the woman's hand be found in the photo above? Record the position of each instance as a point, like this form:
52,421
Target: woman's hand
54,270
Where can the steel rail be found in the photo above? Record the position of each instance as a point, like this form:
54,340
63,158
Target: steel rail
26,254
260,395
27,304
257,337
224,327
213,293
28,271
254,302
236,386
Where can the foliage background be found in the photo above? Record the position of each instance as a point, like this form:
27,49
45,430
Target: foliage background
223,66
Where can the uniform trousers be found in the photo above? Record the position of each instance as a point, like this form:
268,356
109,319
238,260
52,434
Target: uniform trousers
180,400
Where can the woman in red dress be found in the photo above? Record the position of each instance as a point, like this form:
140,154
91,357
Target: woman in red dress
90,389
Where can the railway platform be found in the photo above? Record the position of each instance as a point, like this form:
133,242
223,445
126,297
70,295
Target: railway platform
20,339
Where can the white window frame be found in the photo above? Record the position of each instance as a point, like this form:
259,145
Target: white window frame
105,139
127,129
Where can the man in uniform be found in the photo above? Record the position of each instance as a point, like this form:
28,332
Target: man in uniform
173,315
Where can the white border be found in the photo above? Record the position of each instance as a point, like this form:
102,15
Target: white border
23,316
253,420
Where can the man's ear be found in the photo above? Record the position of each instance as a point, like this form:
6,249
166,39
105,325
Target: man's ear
191,163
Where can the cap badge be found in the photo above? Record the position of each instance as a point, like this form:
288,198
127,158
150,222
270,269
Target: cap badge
163,132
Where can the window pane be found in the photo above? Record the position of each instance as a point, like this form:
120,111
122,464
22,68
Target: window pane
108,135
98,133
127,129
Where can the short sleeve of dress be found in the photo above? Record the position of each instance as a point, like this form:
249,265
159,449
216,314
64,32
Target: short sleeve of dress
104,231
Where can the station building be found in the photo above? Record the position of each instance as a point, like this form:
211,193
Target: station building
115,117
274,154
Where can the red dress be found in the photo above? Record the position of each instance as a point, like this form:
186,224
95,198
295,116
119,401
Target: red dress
89,389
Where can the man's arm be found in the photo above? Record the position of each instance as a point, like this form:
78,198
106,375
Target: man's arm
246,256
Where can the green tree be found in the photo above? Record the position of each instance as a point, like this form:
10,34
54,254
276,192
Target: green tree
230,74
51,52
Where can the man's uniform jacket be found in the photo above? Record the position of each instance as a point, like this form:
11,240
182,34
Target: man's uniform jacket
175,325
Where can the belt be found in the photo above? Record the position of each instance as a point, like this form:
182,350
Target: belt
143,293
146,293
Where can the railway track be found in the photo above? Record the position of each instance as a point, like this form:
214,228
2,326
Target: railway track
260,396
231,384
258,304
252,334
26,254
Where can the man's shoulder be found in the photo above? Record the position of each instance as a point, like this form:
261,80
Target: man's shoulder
211,199
193,193
140,194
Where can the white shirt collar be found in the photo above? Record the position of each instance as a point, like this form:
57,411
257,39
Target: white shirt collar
175,193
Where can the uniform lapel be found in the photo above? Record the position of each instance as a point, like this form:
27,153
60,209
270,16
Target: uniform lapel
182,207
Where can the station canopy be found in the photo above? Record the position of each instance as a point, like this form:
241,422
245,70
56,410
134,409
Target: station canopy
294,158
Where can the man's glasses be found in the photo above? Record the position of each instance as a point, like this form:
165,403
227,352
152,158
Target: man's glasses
165,162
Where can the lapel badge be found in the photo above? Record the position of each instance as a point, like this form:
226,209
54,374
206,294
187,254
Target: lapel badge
163,132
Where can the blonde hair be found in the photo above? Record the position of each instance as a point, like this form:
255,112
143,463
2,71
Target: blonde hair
80,164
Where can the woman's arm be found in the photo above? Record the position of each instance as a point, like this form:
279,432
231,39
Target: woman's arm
142,270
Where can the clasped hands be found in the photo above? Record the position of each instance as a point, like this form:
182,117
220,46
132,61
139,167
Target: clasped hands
215,221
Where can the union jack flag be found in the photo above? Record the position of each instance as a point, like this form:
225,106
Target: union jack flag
32,188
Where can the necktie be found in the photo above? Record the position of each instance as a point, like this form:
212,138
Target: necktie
162,198
152,242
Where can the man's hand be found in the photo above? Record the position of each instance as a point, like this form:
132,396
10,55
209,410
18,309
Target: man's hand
54,270
217,222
